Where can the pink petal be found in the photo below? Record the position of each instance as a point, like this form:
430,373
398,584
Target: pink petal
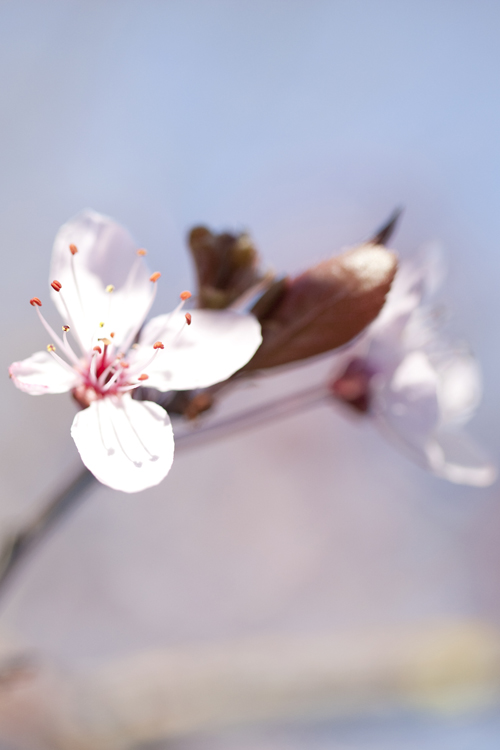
460,388
40,374
453,455
211,349
126,444
107,255
406,405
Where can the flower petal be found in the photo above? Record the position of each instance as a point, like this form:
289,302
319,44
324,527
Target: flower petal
407,405
454,456
107,255
40,374
211,349
459,387
126,444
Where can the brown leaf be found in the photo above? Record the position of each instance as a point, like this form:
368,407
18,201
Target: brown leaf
227,265
326,306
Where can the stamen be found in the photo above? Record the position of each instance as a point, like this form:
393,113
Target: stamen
97,349
188,318
125,388
155,276
105,341
70,318
74,250
56,285
142,252
53,335
101,325
93,367
143,377
185,295
52,351
110,288
112,335
67,348
123,364
135,369
111,381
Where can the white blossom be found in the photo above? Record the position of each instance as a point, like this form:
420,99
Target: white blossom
418,388
104,292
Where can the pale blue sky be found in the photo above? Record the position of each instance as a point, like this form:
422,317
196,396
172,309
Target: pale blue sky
305,122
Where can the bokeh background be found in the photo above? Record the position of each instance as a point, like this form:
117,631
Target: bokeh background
305,122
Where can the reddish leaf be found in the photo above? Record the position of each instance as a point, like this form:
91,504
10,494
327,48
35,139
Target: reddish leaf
227,265
326,306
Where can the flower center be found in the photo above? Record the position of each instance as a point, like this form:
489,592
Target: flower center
105,366
353,386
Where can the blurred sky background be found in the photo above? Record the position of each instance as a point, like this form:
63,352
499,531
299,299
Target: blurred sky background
305,122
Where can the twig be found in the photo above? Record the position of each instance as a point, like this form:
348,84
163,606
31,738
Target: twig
22,543
253,417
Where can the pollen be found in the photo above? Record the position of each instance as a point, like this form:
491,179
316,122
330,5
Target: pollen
73,249
155,276
110,288
97,349
188,318
56,285
158,345
65,329
185,295
35,301
51,348
142,252
143,377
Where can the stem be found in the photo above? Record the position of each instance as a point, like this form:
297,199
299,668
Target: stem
253,417
21,544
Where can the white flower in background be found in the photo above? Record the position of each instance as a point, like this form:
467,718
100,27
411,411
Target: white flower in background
103,291
417,388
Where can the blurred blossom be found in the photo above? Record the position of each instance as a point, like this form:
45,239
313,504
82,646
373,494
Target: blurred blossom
126,444
417,387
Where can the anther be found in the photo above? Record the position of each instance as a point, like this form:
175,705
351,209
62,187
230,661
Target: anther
97,349
110,288
73,249
51,348
35,301
112,335
101,325
185,295
56,285
188,318
155,276
105,341
143,377
65,329
142,252
158,345
124,364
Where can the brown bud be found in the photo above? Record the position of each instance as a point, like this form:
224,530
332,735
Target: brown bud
227,265
326,306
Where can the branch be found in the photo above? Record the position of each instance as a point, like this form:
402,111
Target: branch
20,544
17,547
